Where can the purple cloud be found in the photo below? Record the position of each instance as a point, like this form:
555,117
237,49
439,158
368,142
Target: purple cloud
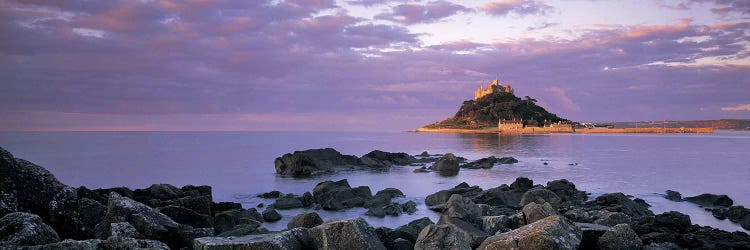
520,7
434,11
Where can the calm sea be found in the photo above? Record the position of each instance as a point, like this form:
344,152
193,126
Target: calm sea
239,165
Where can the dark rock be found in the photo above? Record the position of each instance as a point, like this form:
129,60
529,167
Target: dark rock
579,215
124,230
378,200
227,220
540,196
711,200
462,208
390,192
244,229
445,236
424,154
494,224
289,201
619,237
673,195
447,165
298,238
409,207
313,161
90,213
736,213
270,195
442,196
533,212
590,234
64,215
306,220
522,184
260,205
675,220
402,244
567,191
164,192
25,186
339,195
148,221
225,206
507,160
501,196
187,216
421,170
553,232
611,218
618,202
307,199
473,235
271,215
346,234
411,230
111,243
25,229
382,159
200,204
484,163
377,211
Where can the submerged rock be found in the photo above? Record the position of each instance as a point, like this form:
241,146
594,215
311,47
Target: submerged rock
553,232
271,215
673,195
507,160
447,165
313,161
484,163
711,200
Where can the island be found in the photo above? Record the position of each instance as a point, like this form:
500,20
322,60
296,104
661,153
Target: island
496,109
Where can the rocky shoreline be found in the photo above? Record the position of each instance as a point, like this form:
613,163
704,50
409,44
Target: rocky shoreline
39,212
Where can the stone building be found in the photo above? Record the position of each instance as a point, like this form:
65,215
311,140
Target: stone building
509,125
493,87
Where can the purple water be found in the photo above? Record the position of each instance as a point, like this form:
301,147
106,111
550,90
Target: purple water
239,165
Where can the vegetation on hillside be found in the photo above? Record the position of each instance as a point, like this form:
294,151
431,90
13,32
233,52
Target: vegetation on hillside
488,110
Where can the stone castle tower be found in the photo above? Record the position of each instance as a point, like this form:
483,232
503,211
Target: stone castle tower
493,87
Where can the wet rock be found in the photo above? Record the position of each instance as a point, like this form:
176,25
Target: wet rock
383,159
540,196
409,207
553,232
711,200
522,184
411,230
534,212
346,234
313,161
474,236
462,208
619,237
227,220
618,202
611,218
306,220
446,236
271,215
187,216
110,243
25,229
149,222
424,154
421,170
298,238
390,192
289,201
270,195
590,234
507,160
673,195
567,191
485,163
447,165
504,195
339,195
442,196
674,220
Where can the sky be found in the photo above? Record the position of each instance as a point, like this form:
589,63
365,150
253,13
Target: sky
363,65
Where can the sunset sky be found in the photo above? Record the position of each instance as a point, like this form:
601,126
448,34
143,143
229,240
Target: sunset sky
363,64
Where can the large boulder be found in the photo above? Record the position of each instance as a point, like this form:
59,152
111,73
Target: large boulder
289,201
446,236
228,220
494,224
447,165
25,229
711,200
313,161
567,191
411,230
271,215
383,159
187,216
339,195
462,208
553,232
149,222
673,195
533,212
25,186
471,234
540,195
298,238
346,234
110,243
619,237
619,202
442,196
306,220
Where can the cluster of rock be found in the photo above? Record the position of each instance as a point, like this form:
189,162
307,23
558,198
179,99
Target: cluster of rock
339,195
319,161
720,205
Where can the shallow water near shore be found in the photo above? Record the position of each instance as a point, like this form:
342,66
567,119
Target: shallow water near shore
239,165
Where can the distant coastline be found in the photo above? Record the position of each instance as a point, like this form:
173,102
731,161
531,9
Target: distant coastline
543,130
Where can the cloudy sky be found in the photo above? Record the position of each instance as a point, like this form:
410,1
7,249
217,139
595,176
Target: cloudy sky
363,64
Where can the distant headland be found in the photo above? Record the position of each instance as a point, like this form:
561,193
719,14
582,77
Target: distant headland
496,109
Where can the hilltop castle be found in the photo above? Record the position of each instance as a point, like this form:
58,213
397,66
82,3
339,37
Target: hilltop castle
494,87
